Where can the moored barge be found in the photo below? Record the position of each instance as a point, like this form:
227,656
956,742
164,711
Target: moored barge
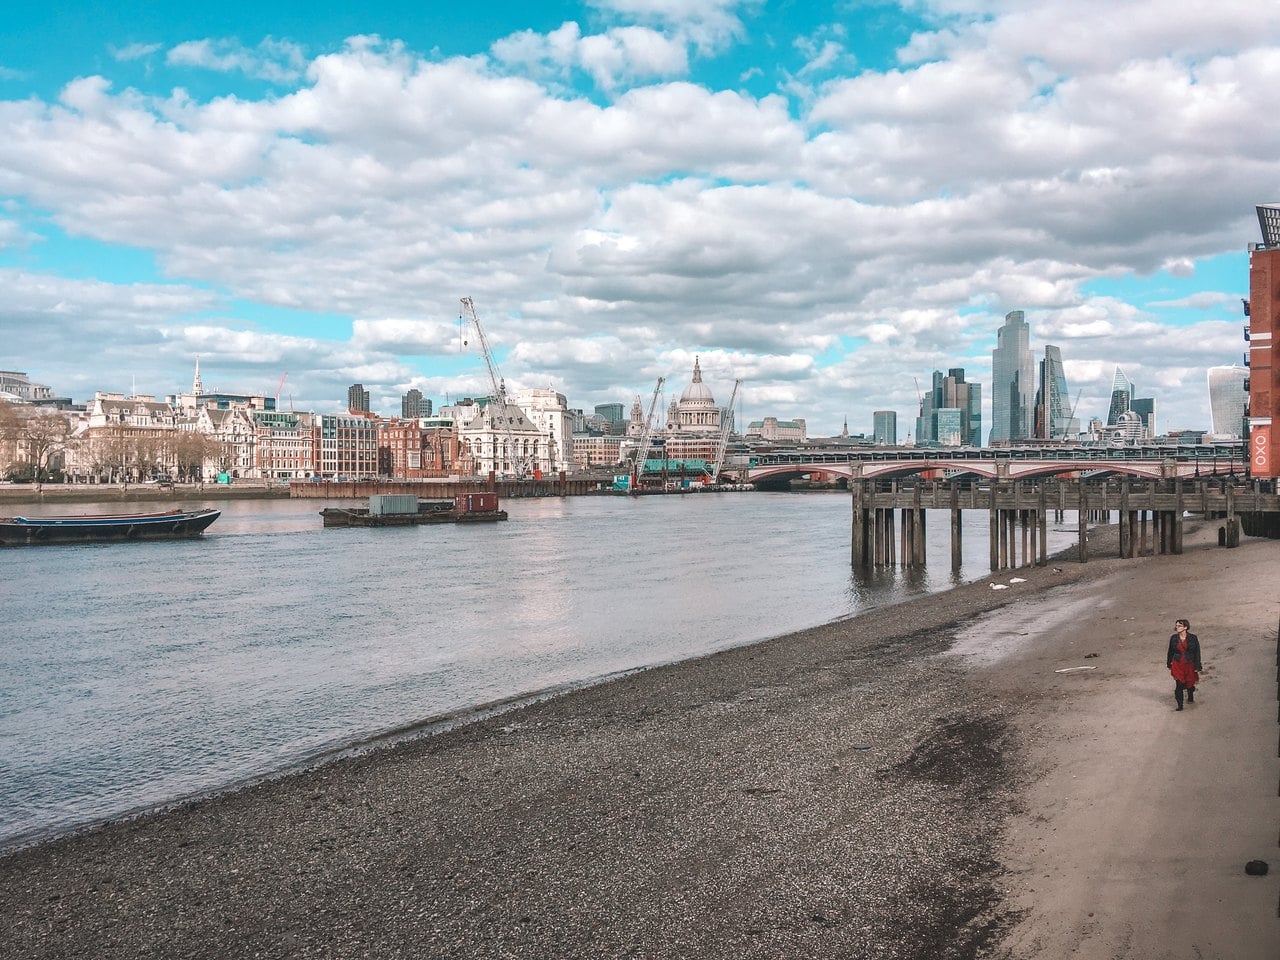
399,510
169,525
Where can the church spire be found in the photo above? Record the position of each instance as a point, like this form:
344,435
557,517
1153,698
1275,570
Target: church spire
697,370
196,386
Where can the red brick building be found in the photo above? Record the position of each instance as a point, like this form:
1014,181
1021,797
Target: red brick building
421,449
1262,310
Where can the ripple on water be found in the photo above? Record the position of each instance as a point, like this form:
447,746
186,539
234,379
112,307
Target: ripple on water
148,672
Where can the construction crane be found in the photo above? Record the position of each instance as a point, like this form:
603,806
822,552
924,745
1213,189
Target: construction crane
280,386
725,425
642,451
499,401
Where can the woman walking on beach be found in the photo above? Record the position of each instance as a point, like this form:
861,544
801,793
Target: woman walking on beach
1184,661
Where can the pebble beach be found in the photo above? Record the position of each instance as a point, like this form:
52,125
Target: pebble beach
874,787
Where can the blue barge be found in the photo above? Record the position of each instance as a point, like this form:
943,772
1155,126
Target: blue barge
169,525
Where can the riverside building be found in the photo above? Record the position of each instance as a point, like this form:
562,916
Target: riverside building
549,412
503,440
1263,311
347,445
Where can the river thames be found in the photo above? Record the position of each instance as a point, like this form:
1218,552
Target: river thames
135,675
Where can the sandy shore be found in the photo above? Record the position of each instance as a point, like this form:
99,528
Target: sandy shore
917,782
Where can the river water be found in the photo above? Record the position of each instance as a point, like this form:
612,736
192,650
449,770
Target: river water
133,675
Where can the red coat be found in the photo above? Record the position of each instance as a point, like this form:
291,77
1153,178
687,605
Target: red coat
1184,659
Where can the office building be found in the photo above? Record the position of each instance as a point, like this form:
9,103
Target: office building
884,427
1121,397
960,427
615,418
1012,382
348,445
1145,408
1229,401
357,398
413,405
549,412
1055,413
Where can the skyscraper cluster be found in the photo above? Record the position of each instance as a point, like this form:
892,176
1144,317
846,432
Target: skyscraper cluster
1127,409
951,411
1028,400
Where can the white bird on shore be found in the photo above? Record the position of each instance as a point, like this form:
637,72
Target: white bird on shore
999,586
1018,580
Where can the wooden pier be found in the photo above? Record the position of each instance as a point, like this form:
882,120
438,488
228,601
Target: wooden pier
889,517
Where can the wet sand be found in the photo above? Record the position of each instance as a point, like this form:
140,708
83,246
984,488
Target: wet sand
915,782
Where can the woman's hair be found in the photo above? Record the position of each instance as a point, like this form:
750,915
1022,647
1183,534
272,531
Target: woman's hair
1184,621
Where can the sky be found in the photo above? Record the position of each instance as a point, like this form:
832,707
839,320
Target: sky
827,199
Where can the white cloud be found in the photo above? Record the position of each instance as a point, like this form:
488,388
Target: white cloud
134,51
709,24
619,55
1179,267
277,61
606,245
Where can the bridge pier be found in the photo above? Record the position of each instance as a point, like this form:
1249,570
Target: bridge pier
955,530
1082,525
1149,513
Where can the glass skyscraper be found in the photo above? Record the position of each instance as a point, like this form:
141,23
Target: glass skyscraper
1012,381
951,412
1228,400
1054,410
884,427
1121,397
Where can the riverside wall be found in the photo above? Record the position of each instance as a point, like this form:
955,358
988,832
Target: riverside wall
443,489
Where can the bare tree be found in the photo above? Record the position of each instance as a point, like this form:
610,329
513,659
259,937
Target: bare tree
44,436
114,451
9,426
193,452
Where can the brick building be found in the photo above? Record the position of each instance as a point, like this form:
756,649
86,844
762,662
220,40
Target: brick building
1262,310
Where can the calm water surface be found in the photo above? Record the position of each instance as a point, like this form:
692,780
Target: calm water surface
132,675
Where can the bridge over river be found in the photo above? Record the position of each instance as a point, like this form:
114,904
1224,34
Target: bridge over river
1154,484
1149,461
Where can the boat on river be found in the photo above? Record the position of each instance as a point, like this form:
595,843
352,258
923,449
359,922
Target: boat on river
91,528
401,510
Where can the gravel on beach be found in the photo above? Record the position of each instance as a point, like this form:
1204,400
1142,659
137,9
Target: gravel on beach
837,792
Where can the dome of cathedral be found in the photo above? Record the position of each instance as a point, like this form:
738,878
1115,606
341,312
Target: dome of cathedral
697,393
696,413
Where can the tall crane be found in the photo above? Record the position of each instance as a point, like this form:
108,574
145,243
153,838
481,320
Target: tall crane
642,451
725,426
519,464
280,386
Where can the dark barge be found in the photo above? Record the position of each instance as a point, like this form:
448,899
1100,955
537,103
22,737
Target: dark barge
400,510
169,525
